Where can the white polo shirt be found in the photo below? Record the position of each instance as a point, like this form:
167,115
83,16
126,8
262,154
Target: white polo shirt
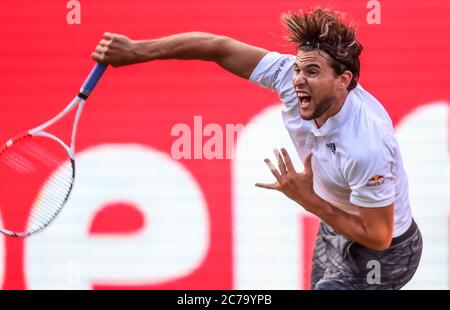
356,158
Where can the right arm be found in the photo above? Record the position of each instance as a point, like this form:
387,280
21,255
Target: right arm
232,55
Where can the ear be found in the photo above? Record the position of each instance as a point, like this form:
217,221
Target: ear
345,79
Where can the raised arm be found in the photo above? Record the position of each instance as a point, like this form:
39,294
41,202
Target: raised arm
232,55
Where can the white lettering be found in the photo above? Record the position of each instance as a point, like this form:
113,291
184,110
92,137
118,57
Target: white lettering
74,15
374,15
171,244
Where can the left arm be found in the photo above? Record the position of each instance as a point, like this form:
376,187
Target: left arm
372,228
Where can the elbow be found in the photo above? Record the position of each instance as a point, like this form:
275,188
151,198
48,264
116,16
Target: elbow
381,244
380,238
208,46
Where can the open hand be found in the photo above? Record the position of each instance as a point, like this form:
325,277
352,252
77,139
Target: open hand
297,186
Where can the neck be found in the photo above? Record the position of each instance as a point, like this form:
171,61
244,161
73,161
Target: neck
332,111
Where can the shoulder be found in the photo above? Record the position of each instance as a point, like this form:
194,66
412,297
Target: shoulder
369,126
272,64
369,144
370,110
367,161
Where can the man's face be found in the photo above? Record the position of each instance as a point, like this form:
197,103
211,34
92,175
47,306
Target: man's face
315,83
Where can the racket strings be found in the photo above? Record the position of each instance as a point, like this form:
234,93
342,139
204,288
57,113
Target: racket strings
36,177
44,207
54,191
39,153
18,163
53,195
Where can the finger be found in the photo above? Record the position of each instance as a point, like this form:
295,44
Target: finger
288,161
274,170
280,161
97,57
101,49
268,186
307,163
104,42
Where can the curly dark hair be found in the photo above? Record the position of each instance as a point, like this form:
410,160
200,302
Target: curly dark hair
325,30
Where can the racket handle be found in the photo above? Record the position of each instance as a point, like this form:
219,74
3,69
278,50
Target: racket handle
92,80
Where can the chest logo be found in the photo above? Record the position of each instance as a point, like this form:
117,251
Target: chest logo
332,147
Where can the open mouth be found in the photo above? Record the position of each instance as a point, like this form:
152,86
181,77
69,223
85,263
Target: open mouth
304,100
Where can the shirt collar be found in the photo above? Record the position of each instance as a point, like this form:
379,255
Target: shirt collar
335,121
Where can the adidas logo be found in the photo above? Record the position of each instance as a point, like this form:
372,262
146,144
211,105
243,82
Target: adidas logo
332,147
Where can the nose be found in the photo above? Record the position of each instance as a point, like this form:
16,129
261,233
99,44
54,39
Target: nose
298,79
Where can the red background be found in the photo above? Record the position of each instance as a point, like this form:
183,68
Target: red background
43,60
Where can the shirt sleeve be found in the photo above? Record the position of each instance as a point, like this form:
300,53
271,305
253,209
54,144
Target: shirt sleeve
371,178
275,71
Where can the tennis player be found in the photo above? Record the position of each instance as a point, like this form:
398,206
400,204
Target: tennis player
354,179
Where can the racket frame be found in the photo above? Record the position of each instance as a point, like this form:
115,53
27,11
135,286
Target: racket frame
87,88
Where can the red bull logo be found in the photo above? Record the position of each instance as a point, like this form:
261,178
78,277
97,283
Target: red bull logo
375,181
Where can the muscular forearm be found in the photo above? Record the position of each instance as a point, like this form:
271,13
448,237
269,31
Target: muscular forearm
191,45
232,55
351,226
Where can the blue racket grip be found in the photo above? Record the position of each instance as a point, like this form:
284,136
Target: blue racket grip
92,80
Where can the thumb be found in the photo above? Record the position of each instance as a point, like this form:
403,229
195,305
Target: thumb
307,163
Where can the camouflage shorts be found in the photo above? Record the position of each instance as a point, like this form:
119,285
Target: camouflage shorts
342,264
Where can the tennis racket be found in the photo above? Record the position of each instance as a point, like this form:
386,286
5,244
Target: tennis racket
37,171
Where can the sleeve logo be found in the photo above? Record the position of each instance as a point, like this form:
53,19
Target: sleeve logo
375,181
